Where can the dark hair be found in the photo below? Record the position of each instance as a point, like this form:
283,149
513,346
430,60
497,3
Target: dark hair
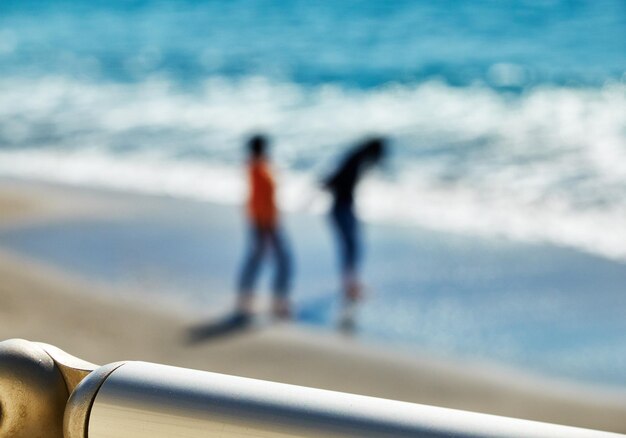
257,145
373,149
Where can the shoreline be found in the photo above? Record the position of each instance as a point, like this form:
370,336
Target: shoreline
44,303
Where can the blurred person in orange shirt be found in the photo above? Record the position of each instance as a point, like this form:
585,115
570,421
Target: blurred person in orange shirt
265,235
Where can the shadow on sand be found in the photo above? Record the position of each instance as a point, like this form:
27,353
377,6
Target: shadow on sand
316,311
227,326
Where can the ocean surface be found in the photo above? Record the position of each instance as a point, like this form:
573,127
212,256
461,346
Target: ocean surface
507,119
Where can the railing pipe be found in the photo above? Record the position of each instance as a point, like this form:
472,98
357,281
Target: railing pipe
44,392
140,400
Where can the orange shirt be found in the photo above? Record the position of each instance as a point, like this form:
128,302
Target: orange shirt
261,205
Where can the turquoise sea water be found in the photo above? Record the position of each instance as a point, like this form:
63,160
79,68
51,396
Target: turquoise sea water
507,117
357,43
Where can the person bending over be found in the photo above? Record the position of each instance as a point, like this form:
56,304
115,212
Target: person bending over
342,184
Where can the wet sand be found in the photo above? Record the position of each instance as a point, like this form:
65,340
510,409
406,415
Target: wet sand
42,303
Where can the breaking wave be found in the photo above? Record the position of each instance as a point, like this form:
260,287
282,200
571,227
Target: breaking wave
544,165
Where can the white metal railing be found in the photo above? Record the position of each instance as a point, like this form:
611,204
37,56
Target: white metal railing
141,400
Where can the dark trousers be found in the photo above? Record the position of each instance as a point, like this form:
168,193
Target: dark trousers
347,229
262,240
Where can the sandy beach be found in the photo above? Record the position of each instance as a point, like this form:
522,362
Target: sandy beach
42,303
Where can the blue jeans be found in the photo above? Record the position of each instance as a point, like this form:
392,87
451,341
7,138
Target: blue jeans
263,239
347,228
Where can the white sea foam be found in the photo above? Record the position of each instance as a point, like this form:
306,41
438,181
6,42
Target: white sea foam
548,165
